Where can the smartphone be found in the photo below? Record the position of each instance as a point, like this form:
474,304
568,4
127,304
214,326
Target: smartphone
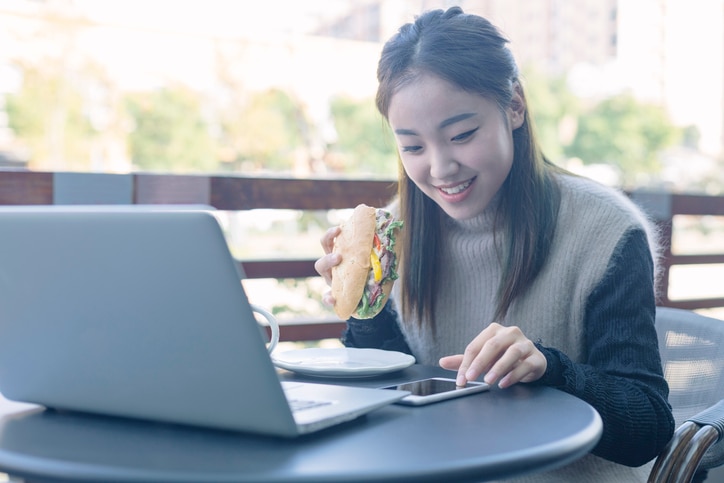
426,391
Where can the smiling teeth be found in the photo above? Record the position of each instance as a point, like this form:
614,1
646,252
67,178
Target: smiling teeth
456,189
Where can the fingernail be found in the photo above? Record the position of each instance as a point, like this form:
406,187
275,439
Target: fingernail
490,377
460,381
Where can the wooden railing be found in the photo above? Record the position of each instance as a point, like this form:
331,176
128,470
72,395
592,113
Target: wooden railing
664,207
235,193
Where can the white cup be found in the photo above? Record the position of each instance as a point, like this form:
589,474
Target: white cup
273,325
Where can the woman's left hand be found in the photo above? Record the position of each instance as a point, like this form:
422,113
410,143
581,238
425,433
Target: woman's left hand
502,353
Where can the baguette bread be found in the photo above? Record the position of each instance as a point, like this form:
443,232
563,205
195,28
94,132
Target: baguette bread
363,280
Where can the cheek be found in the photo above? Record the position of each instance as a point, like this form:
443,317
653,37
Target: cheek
414,169
407,166
497,151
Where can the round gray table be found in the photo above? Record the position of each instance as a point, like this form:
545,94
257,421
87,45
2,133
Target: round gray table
489,435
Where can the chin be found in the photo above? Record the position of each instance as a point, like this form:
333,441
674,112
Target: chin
461,214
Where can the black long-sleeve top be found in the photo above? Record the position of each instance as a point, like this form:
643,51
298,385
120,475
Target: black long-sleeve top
621,377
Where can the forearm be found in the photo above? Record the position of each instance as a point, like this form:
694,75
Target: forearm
637,421
621,376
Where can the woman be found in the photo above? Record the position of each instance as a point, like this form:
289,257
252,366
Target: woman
510,267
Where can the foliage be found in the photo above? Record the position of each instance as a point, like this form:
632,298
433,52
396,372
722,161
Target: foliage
47,115
270,131
553,109
364,140
302,298
625,133
170,133
264,132
618,131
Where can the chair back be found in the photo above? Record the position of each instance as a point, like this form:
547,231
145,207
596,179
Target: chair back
692,355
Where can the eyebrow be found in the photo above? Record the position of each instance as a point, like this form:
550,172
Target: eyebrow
454,119
447,122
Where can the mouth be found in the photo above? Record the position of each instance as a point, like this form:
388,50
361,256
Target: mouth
456,189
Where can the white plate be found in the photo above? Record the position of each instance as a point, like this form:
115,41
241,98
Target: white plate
342,362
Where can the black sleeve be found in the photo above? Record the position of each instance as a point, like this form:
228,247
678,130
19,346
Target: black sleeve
380,332
622,377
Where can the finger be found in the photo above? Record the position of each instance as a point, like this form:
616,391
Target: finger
327,239
529,370
324,265
508,362
451,363
523,372
531,364
464,365
480,354
327,298
514,376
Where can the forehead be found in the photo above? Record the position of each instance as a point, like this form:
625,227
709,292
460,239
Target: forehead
431,99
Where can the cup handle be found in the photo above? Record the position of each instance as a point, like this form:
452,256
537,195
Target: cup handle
273,325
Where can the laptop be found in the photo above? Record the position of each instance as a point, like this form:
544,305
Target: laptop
140,312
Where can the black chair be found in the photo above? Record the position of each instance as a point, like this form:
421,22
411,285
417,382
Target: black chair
692,355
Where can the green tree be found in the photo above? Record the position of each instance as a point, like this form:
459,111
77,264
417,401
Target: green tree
625,133
262,132
169,131
364,142
553,109
47,116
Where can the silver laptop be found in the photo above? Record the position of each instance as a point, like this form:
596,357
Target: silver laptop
141,313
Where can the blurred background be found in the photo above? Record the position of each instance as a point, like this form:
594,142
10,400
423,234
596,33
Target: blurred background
630,93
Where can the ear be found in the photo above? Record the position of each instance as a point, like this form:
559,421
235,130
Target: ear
517,108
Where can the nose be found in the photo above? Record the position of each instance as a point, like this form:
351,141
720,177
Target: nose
442,164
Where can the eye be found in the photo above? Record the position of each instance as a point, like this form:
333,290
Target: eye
464,136
411,149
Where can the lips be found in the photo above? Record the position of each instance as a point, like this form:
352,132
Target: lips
456,189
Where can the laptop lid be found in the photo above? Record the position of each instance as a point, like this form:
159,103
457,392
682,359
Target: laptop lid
138,313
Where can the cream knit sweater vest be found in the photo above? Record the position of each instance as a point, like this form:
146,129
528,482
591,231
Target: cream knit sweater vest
592,220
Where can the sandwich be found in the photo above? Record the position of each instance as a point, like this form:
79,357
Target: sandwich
363,280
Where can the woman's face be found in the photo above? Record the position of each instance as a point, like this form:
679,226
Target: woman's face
457,147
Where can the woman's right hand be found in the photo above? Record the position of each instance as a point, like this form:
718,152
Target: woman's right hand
324,265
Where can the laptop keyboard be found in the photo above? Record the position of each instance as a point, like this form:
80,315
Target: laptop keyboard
302,404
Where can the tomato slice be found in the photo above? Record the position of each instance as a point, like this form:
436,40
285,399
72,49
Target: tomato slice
377,243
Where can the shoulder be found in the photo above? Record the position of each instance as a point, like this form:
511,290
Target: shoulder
589,208
584,194
598,207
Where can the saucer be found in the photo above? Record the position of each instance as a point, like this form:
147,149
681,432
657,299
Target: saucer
342,362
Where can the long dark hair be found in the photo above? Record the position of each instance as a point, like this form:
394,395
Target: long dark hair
469,52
